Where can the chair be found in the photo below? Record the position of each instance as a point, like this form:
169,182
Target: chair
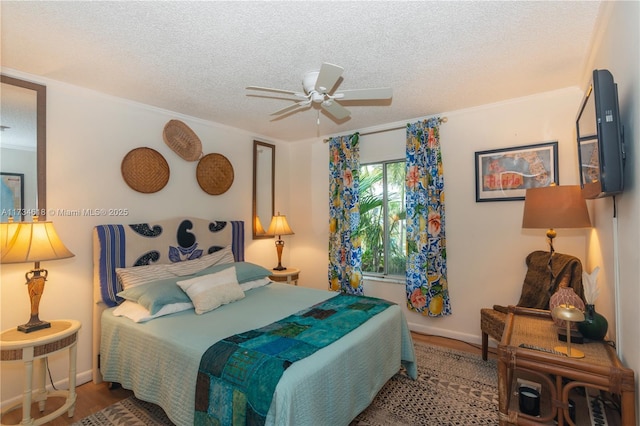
536,291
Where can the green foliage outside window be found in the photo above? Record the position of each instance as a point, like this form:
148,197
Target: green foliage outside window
383,218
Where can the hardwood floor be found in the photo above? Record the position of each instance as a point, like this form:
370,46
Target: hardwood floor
90,399
93,398
451,344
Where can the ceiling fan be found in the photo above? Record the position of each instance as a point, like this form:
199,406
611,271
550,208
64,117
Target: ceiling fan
318,87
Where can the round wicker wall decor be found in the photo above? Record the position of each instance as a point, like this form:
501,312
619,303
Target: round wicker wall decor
145,170
214,174
182,140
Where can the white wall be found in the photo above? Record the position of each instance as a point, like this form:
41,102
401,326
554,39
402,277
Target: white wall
486,244
88,135
617,48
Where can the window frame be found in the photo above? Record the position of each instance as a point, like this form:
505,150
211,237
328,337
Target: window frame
386,243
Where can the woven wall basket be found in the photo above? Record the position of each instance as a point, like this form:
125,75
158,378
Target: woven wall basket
182,140
214,174
145,170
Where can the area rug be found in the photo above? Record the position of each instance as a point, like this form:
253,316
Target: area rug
453,388
128,412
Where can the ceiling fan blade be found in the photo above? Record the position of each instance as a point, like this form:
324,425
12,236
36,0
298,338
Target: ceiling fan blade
291,112
291,108
364,94
335,109
328,77
269,89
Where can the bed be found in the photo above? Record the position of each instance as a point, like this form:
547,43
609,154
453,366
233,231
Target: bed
159,359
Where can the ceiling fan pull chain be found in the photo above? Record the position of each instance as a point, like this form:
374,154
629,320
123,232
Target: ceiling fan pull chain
318,120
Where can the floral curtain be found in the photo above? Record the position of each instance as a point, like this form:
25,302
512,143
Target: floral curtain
427,290
345,253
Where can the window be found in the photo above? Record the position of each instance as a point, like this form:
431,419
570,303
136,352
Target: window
383,218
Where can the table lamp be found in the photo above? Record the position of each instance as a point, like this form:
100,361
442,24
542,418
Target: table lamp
568,314
32,242
279,227
553,207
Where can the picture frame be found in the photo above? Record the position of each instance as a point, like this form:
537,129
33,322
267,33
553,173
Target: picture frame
504,174
12,195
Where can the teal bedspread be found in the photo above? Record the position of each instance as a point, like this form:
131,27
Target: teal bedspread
238,375
159,359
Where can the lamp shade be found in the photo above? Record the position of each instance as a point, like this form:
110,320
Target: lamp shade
555,207
279,226
34,242
7,232
568,313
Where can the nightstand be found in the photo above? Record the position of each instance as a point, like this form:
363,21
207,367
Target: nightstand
560,377
289,276
16,346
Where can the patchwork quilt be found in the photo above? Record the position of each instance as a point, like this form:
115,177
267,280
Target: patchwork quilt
238,375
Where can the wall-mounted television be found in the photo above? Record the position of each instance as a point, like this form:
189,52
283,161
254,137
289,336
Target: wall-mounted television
600,138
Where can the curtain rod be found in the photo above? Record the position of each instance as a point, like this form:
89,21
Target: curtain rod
373,132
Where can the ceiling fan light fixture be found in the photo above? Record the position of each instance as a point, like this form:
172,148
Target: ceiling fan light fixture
309,81
317,97
317,85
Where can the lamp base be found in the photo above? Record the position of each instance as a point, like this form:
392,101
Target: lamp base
35,286
576,337
34,326
279,247
574,352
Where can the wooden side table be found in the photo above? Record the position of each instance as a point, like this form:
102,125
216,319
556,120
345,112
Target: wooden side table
289,276
16,346
599,370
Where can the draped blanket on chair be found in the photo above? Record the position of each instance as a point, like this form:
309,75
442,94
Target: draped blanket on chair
238,375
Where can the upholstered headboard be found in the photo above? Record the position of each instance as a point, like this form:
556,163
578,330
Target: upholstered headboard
161,242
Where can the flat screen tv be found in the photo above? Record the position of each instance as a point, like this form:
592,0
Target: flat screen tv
600,138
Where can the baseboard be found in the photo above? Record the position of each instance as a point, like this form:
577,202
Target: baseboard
437,331
81,378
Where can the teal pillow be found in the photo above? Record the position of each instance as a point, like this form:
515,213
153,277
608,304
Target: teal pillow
245,271
156,294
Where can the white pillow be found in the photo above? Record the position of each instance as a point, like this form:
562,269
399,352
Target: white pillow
208,292
138,275
190,267
254,284
138,313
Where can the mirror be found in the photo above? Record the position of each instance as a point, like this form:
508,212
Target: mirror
23,149
264,163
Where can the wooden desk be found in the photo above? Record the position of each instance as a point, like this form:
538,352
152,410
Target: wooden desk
289,276
600,369
16,346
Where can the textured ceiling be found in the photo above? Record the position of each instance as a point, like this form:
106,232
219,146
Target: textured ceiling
196,58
